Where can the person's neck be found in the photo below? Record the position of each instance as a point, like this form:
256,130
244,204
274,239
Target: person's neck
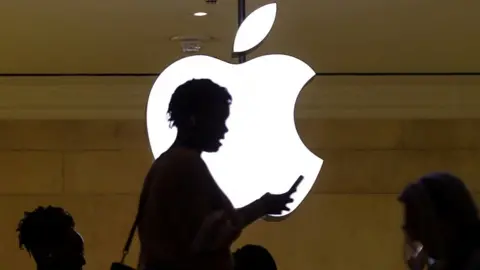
185,142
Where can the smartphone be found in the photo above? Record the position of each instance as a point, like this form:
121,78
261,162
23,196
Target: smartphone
296,184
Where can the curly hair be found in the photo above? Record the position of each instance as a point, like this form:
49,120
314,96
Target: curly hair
196,97
43,226
253,257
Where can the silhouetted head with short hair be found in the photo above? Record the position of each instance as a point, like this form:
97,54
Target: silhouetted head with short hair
253,257
440,213
48,234
199,110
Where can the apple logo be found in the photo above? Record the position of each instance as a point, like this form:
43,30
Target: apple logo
262,151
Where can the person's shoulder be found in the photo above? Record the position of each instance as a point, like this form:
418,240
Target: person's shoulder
180,165
179,158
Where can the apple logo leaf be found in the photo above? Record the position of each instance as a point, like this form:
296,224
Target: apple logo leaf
255,28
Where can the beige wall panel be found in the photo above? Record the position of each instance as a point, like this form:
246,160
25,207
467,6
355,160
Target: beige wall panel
350,221
104,221
30,172
106,171
441,134
387,171
316,133
72,135
325,134
325,97
335,232
328,231
350,134
390,133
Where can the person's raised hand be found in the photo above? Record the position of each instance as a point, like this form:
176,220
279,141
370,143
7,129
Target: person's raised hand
275,204
415,256
418,262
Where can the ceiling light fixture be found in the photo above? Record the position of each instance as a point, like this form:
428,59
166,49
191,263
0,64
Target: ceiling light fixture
200,14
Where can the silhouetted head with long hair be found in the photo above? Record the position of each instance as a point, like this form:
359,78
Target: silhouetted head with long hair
199,110
253,257
48,234
440,213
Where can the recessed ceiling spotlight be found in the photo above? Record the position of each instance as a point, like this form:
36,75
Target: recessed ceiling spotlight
200,14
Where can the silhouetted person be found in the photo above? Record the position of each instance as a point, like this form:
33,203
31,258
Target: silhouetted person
48,234
188,222
440,215
253,257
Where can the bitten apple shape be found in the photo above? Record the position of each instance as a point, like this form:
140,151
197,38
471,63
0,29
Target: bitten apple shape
262,151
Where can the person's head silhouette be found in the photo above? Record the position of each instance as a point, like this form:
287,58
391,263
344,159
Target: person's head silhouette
253,257
441,215
48,234
199,110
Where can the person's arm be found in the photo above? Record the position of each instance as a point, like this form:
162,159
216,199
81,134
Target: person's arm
221,229
252,212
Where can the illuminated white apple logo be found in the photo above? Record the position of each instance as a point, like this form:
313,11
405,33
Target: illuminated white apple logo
262,151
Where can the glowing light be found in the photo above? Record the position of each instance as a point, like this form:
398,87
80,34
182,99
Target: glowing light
262,151
200,14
